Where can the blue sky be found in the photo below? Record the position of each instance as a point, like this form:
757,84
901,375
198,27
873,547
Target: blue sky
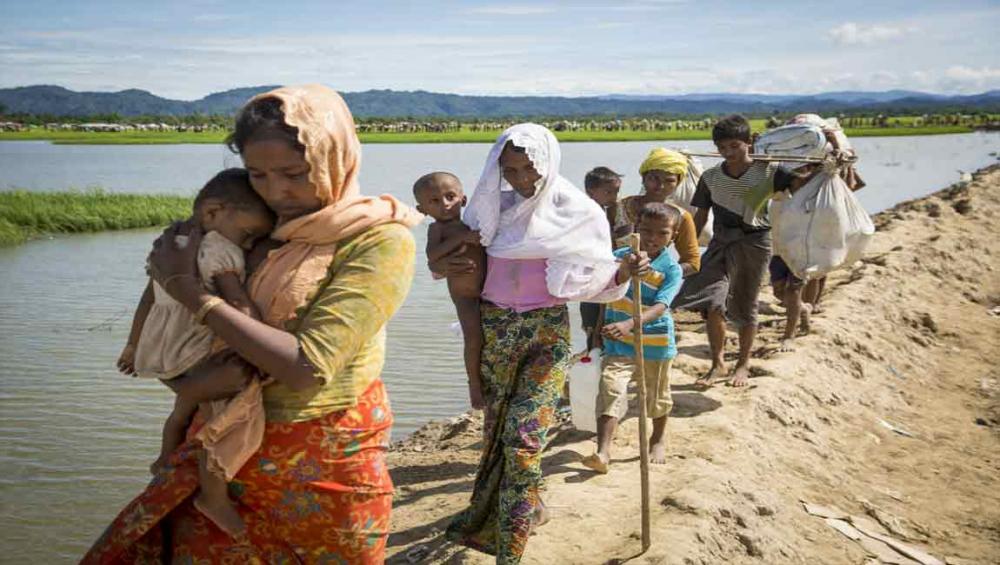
189,49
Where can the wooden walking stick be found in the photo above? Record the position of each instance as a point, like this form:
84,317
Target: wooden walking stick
640,373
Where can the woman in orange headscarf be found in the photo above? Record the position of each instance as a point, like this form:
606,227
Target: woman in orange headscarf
338,267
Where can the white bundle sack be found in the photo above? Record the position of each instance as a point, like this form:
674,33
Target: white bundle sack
800,140
827,125
685,194
820,228
816,120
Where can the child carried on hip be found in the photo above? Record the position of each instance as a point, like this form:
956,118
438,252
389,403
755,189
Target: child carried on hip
168,342
440,196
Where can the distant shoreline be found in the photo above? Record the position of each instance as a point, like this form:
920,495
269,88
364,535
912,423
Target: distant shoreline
463,136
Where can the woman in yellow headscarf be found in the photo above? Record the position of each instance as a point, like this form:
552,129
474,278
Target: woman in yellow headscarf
338,267
662,172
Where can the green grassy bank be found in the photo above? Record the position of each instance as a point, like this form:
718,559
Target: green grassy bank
464,135
24,214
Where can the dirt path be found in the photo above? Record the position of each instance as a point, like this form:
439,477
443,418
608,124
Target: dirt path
910,336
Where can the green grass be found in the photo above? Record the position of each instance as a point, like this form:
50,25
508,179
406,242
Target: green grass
24,214
900,131
465,135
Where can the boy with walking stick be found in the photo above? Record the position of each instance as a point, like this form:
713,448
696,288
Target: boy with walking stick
620,363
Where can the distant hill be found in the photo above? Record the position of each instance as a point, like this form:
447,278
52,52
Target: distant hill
59,101
845,97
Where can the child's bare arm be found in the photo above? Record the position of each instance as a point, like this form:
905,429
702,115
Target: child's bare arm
141,313
653,312
126,361
443,247
700,219
232,291
618,330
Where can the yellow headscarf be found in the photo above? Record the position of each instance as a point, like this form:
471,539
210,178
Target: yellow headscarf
666,160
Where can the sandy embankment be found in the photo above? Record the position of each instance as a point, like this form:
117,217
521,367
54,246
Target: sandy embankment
910,336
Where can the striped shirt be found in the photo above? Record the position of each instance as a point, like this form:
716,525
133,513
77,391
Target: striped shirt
659,286
725,195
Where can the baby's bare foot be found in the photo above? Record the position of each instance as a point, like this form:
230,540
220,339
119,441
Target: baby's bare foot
787,345
223,513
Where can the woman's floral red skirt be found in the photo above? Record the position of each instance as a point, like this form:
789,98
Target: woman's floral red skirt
316,492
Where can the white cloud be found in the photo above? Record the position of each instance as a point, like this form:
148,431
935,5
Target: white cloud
969,74
850,33
970,79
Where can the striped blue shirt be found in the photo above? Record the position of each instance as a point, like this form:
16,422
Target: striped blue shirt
659,286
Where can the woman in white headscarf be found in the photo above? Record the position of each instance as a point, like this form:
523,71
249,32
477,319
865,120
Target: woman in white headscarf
546,243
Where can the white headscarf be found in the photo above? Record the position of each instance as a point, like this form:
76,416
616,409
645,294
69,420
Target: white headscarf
558,223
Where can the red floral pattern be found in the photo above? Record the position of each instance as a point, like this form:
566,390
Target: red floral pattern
316,492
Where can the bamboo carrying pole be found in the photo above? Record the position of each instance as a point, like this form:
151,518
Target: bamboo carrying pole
790,158
640,373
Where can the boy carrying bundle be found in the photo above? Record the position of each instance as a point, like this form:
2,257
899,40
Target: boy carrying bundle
733,266
801,298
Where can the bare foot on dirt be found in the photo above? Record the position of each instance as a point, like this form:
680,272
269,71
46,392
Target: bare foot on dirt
706,381
541,516
597,462
741,377
223,514
787,345
658,453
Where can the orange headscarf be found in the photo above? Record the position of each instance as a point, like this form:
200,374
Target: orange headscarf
333,151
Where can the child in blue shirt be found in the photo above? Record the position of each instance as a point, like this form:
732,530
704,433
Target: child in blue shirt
657,225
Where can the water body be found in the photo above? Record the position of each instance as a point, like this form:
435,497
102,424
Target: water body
77,437
893,166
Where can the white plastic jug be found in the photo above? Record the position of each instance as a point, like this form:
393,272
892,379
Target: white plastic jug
584,377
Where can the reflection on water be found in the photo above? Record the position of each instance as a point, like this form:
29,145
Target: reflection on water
77,437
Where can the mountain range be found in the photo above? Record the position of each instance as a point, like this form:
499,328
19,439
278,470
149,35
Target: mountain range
59,101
